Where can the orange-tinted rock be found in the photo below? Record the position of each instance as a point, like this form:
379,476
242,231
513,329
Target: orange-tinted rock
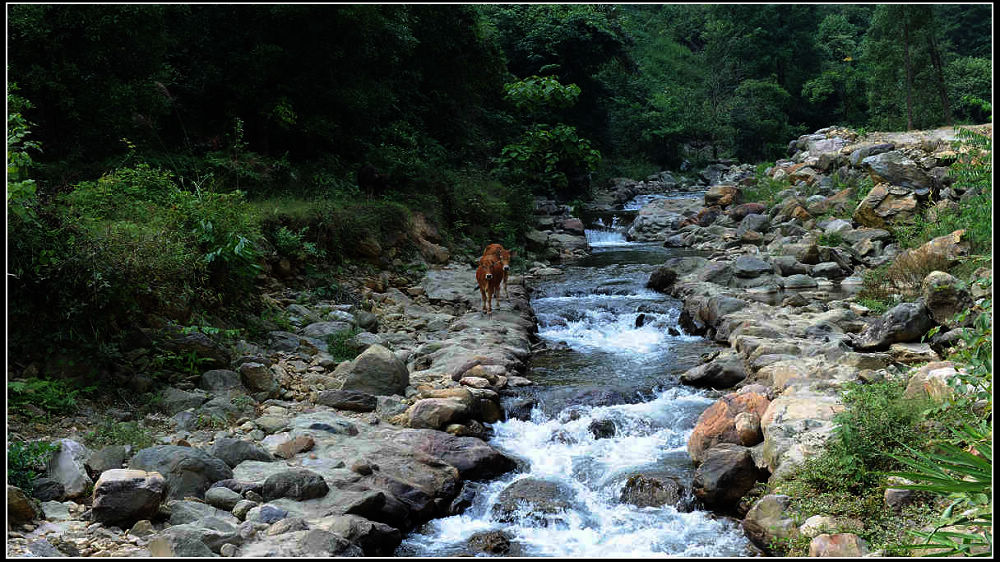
841,545
717,424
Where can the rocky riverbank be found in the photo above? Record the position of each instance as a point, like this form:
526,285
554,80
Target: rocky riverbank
284,450
778,293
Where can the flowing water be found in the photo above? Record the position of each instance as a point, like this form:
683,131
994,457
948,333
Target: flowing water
613,357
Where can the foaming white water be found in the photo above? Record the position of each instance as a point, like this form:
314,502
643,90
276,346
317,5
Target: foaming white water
606,235
640,201
594,470
606,331
603,238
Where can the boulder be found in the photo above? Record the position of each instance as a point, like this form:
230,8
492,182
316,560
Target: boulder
662,279
68,468
884,205
722,372
748,429
895,168
20,507
377,371
179,542
472,457
297,484
738,212
753,223
769,522
210,353
107,458
374,538
945,297
234,451
353,400
539,499
183,512
220,379
748,267
436,413
188,471
723,196
490,542
841,545
905,322
123,497
943,251
932,381
647,491
727,473
222,498
177,400
292,447
717,424
828,270
898,498
47,489
868,150
911,353
257,377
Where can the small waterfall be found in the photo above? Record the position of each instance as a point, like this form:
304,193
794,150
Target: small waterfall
604,235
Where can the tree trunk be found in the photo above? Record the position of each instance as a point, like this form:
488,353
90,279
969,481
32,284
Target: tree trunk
909,73
938,70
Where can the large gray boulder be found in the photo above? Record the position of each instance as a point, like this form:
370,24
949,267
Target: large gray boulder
726,475
945,297
905,322
374,538
473,458
769,522
188,471
234,451
541,500
21,508
122,497
176,400
647,491
68,468
297,484
722,372
377,371
258,378
749,267
895,168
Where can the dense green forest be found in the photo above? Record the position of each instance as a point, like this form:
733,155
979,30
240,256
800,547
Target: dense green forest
157,152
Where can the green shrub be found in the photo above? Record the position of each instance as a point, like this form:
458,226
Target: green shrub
341,346
294,245
962,472
53,396
112,432
765,189
833,239
27,460
103,255
876,422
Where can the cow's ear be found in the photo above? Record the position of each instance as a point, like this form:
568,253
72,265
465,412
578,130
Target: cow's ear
512,253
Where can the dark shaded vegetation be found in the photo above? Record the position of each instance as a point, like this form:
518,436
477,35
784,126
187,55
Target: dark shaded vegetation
162,157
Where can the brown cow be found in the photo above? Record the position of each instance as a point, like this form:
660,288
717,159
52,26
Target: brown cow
489,274
504,256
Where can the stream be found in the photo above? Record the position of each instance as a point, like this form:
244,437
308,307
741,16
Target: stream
613,355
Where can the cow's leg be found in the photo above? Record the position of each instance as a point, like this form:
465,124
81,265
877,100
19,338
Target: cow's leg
482,292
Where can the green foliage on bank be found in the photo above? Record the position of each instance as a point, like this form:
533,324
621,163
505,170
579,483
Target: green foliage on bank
27,460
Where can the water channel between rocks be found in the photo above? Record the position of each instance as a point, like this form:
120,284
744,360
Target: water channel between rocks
604,368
